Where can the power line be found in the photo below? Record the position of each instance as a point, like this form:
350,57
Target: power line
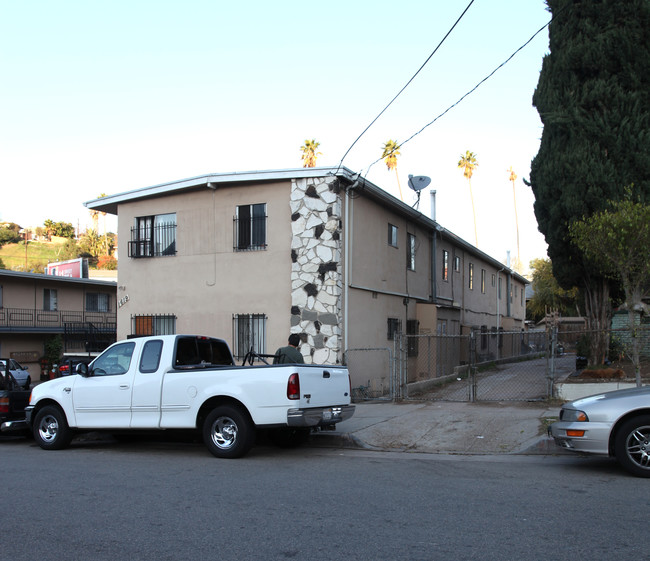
469,92
407,83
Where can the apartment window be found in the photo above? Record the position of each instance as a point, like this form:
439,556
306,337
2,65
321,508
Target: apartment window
410,252
0,296
499,289
248,334
522,296
98,302
392,235
158,324
412,329
445,265
456,263
483,276
394,327
49,299
250,228
153,236
494,280
471,276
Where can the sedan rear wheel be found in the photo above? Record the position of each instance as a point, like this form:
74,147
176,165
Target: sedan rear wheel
632,446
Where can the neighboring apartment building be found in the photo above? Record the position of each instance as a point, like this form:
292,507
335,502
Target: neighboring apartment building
251,257
36,307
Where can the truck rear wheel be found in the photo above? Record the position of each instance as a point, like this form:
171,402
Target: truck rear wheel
228,432
51,430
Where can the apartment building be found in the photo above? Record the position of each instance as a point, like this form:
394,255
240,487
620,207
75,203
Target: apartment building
36,307
254,256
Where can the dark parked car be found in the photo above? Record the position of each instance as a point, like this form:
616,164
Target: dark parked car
69,364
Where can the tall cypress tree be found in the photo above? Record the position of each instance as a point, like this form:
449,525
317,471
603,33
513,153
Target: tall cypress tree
593,97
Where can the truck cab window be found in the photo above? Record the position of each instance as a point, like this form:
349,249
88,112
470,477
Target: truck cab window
114,361
151,356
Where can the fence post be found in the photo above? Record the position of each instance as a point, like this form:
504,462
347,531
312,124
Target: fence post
471,374
551,362
400,377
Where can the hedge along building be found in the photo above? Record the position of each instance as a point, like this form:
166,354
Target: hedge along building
253,256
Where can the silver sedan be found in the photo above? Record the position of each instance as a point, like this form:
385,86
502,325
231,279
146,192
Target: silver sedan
612,423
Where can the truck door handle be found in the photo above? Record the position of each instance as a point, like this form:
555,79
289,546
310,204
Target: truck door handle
326,374
124,386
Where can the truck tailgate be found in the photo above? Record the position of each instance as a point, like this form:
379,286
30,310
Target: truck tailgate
322,386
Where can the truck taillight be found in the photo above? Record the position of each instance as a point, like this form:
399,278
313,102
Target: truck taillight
293,386
4,405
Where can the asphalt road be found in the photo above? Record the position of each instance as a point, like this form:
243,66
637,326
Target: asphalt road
156,500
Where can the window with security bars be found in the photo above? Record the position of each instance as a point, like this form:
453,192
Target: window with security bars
50,299
445,265
249,226
158,324
98,302
153,236
394,327
410,252
412,328
248,334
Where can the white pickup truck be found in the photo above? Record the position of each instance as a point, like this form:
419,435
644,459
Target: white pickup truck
188,382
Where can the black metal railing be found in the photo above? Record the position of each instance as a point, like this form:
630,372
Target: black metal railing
158,241
88,337
30,318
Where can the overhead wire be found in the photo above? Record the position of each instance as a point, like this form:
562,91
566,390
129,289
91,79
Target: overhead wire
406,85
468,93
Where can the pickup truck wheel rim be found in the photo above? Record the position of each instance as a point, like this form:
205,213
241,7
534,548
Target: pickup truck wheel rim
224,433
48,428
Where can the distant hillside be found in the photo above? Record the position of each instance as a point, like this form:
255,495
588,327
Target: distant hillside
39,254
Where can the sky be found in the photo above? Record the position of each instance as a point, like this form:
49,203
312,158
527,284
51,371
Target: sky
106,97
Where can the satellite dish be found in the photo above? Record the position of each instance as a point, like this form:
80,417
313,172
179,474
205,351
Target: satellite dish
419,182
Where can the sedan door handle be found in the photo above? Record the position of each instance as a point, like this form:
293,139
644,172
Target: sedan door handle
124,386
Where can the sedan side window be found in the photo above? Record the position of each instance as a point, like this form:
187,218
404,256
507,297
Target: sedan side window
114,361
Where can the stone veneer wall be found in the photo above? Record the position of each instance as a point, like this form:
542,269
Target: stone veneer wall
316,281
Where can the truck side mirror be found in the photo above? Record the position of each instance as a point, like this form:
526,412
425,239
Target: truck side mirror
82,369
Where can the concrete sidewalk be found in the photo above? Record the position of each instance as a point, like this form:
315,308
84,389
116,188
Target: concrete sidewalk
447,428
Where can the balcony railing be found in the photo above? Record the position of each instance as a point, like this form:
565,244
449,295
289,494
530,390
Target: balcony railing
15,319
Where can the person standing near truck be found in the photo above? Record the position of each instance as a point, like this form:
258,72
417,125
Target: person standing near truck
289,354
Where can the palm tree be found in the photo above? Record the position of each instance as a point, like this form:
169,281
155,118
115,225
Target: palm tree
513,177
309,153
104,217
467,163
391,151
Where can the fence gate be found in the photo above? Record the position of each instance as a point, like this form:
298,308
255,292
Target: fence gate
482,366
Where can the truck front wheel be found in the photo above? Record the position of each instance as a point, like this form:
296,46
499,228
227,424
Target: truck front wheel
228,432
51,430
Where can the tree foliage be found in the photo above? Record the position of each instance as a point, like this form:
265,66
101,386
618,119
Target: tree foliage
61,229
617,242
593,97
309,153
468,164
9,233
390,151
548,295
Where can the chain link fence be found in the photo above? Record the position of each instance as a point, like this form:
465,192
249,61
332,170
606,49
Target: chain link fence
496,366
